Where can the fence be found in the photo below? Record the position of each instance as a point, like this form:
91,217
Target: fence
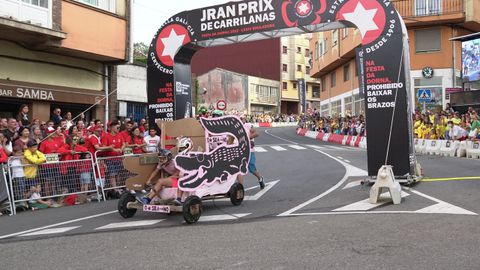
110,172
39,184
5,198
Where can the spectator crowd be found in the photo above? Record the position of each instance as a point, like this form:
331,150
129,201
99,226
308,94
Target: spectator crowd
26,144
446,125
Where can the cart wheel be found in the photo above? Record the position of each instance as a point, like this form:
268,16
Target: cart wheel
125,198
236,193
192,209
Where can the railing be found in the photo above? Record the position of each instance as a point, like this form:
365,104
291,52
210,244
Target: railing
422,8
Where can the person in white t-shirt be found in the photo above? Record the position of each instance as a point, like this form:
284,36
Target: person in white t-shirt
152,140
456,132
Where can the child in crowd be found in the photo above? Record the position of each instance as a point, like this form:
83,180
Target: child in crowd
18,176
33,158
35,201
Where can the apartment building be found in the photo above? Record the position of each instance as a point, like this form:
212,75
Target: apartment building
59,53
435,60
296,64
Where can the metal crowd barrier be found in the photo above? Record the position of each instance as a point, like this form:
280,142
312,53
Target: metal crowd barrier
53,179
5,195
111,174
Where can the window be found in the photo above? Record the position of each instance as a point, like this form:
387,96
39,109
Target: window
323,84
317,50
427,40
108,5
40,3
333,79
284,49
284,67
325,48
294,85
336,108
307,53
315,91
427,7
348,106
284,86
299,50
346,73
334,37
359,105
299,67
344,32
307,70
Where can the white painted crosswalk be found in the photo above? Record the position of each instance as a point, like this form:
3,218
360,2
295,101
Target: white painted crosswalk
51,231
287,147
129,224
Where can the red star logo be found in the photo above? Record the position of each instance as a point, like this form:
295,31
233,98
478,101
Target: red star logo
303,8
169,41
368,16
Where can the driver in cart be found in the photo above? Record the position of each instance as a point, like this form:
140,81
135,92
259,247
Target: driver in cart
167,164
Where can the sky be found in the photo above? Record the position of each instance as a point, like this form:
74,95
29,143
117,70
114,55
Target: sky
148,15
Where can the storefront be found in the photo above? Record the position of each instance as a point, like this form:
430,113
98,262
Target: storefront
42,99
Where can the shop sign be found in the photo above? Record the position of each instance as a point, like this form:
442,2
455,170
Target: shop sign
26,93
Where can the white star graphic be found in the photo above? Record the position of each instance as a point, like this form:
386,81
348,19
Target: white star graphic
172,43
303,8
362,18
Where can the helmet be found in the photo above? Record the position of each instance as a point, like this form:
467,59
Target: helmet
165,153
184,145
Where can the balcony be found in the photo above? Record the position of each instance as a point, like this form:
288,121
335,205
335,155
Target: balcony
39,14
418,12
29,23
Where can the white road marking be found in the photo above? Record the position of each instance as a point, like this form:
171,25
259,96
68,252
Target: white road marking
267,132
365,205
259,149
57,224
353,184
348,161
441,207
222,217
297,147
445,208
350,171
316,146
262,192
130,224
51,231
340,157
278,148
336,147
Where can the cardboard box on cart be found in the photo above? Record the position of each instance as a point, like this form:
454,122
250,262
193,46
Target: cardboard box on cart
142,166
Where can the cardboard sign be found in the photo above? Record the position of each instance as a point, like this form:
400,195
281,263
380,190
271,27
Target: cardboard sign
52,158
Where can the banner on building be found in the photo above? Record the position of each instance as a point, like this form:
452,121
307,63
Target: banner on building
384,55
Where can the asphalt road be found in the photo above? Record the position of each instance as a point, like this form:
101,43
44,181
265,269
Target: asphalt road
312,215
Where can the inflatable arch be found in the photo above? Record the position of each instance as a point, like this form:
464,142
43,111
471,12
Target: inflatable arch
382,61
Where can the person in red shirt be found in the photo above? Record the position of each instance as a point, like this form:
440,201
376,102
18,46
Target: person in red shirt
93,141
135,141
70,151
114,161
49,147
126,132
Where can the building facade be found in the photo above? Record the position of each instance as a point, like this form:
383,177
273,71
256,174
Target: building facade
59,53
236,93
295,65
435,61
